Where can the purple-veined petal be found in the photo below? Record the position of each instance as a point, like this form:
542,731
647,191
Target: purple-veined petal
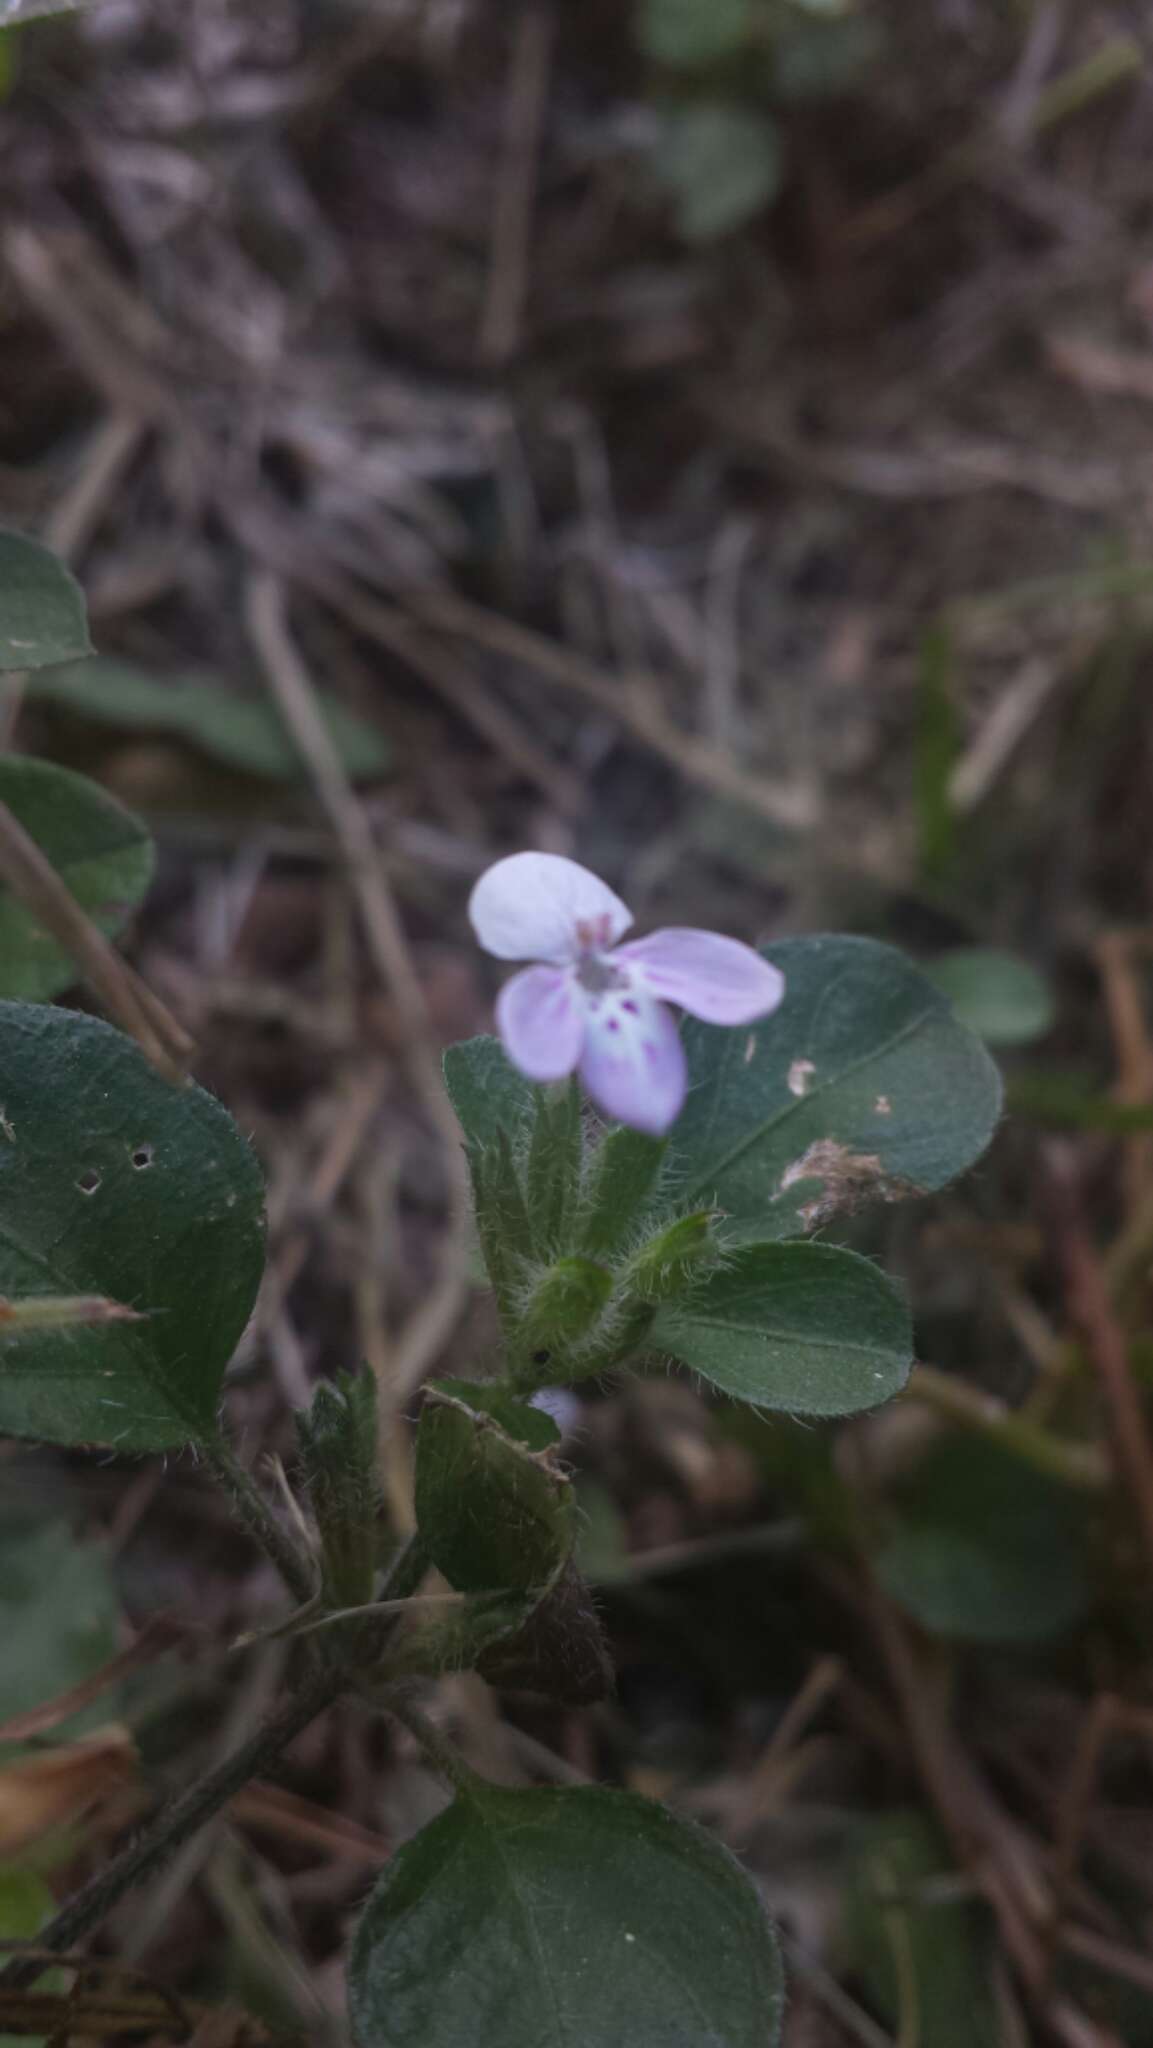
541,1020
633,1063
711,977
539,906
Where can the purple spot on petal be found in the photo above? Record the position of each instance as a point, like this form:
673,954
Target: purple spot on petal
630,1006
614,1023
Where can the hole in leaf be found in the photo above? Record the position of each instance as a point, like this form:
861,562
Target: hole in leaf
141,1157
89,1181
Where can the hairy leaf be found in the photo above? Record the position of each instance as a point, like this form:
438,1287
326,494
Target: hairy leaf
492,1513
544,1919
806,1328
115,1183
863,1086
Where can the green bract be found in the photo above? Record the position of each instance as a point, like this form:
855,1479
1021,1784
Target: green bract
543,1919
115,1183
99,850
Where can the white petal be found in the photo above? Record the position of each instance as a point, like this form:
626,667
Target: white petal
539,906
633,1063
540,1016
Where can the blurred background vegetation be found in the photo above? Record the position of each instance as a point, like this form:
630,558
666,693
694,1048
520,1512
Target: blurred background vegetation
710,438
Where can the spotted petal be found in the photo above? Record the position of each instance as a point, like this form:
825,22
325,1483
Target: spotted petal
540,1018
539,906
711,977
633,1063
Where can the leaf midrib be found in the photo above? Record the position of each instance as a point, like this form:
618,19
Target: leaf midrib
789,1109
142,1358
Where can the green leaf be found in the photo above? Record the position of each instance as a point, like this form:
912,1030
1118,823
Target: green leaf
721,162
1003,999
100,850
924,1954
518,1419
454,1637
340,1467
492,1513
495,1107
543,1919
692,32
42,614
553,1171
623,1175
986,1549
568,1299
669,1261
115,1183
58,1622
862,1086
245,732
490,1098
806,1328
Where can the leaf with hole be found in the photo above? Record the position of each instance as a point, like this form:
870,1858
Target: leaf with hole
242,730
114,1182
985,1549
102,853
805,1328
538,1919
42,614
863,1086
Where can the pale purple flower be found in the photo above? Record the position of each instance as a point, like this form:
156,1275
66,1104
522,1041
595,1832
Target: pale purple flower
598,1008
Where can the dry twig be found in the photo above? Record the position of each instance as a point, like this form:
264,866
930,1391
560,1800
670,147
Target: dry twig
421,1339
129,1001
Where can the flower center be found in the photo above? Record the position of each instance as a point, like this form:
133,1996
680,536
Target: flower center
597,975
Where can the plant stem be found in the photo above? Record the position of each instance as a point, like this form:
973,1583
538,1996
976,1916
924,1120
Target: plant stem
173,1825
253,1512
1077,1464
441,1753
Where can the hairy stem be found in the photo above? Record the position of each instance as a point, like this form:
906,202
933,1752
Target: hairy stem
172,1826
443,1755
254,1513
